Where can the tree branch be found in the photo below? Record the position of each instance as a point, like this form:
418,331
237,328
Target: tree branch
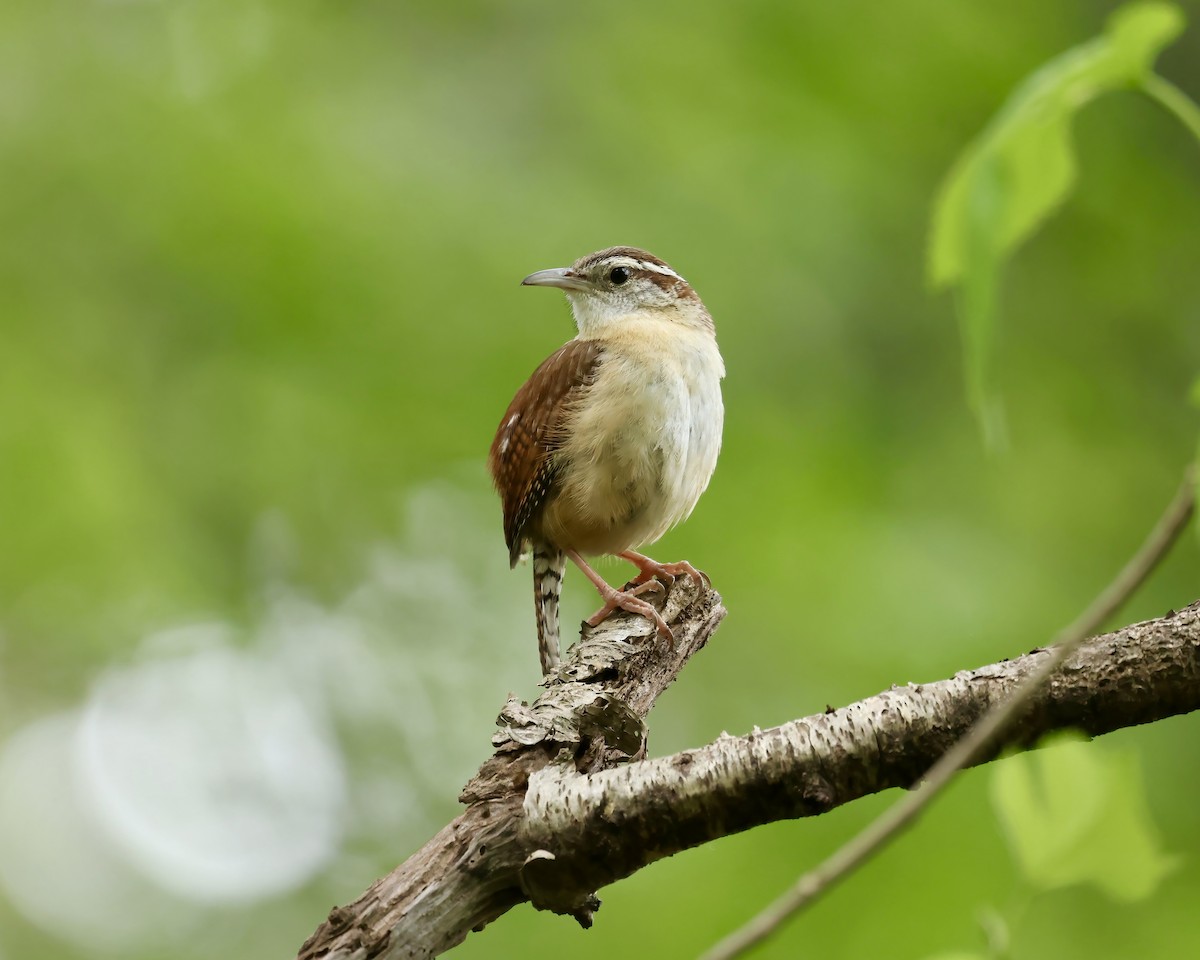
974,744
558,811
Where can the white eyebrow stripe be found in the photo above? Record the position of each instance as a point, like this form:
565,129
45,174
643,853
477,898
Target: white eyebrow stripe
653,268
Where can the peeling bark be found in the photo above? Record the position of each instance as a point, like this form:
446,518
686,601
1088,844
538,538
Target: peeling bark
559,810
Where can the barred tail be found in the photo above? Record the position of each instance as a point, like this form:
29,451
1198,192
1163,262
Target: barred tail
548,566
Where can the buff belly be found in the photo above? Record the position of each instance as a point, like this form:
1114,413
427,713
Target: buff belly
642,449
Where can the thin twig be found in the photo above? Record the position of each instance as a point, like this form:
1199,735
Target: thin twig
1174,100
886,827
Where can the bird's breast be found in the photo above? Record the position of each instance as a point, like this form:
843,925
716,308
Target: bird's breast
641,446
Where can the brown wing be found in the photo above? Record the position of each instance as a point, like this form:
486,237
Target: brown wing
521,458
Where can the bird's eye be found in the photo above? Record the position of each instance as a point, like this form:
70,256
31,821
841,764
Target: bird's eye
618,275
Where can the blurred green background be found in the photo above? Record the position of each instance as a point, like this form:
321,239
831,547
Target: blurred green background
260,315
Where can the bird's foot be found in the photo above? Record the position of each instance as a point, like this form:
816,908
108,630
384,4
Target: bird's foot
630,600
667,572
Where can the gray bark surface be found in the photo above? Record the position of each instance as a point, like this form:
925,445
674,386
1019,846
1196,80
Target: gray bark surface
568,803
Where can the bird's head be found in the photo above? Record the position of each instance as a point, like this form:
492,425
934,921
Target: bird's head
622,284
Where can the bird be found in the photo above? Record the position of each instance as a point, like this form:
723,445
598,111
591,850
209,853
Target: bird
614,437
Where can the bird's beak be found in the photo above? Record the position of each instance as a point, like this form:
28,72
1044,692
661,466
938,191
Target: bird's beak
563,277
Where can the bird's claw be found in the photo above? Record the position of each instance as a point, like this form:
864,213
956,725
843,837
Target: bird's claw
668,572
630,601
637,587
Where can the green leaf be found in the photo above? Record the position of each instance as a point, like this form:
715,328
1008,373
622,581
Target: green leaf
1076,812
1024,155
1020,168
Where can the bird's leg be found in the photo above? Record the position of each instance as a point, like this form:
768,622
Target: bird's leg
620,599
664,571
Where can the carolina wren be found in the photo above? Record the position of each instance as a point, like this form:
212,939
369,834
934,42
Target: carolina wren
612,440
